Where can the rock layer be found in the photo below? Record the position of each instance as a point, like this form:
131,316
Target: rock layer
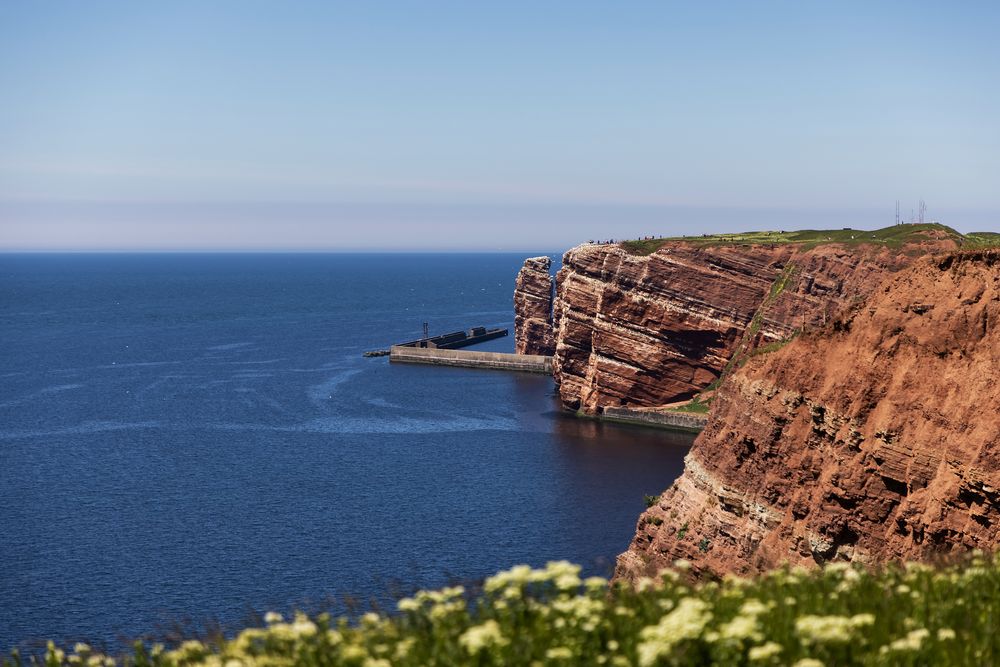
643,331
533,308
875,438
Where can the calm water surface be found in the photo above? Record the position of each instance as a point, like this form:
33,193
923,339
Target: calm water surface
198,436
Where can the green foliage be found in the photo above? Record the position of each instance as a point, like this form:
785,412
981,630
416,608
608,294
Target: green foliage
982,240
773,346
841,615
781,282
651,500
696,406
894,237
683,531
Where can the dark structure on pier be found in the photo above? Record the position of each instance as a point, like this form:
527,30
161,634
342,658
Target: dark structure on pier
457,339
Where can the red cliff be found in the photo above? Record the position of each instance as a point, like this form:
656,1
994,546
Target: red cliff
647,330
875,438
533,308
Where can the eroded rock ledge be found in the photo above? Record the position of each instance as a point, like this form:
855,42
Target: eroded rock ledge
874,438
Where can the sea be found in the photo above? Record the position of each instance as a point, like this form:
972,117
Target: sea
189,440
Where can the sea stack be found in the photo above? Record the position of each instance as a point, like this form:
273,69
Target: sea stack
533,308
874,438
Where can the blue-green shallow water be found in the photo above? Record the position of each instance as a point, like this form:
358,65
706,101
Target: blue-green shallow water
196,436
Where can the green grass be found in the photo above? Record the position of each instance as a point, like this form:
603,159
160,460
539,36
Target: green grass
982,240
895,236
695,405
773,346
781,282
841,615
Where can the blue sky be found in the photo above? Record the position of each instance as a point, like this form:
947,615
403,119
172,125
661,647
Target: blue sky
535,125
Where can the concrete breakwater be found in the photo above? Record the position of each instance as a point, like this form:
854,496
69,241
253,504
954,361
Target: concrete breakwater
529,363
661,418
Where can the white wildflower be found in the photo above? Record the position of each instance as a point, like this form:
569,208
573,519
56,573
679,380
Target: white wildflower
442,610
404,647
644,584
741,628
353,653
911,642
519,575
567,582
512,593
823,629
862,620
754,607
303,627
53,653
765,652
453,592
408,605
685,622
478,637
559,653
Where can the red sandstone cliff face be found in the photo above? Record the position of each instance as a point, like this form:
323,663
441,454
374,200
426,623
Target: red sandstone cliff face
650,330
875,438
533,308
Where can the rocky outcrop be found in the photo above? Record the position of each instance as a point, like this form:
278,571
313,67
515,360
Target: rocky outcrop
533,308
875,438
642,331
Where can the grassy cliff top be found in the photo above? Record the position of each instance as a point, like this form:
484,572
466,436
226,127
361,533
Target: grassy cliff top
894,237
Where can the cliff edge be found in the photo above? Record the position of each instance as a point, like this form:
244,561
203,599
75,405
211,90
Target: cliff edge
644,324
874,438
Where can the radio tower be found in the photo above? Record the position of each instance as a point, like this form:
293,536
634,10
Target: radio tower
897,211
923,209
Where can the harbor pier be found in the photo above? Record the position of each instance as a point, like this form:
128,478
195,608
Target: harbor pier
503,361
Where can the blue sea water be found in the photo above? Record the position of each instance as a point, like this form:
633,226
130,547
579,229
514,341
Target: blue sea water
193,437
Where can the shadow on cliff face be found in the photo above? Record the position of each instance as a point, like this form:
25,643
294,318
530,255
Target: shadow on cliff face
613,435
697,344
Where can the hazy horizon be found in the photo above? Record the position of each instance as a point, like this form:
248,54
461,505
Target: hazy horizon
556,228
451,127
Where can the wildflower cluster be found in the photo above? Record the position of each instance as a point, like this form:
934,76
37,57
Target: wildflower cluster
840,615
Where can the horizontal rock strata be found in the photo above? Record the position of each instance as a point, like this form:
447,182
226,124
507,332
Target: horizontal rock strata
642,331
875,438
533,308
